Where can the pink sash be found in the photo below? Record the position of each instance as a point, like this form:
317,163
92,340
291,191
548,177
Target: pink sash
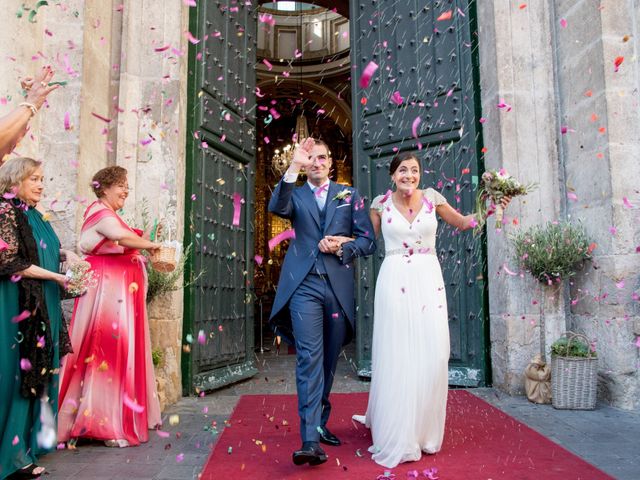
110,247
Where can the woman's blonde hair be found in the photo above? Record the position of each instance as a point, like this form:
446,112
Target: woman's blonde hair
14,171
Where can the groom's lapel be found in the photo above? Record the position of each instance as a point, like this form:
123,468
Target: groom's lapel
331,204
309,200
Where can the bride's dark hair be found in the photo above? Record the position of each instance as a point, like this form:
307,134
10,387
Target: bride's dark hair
398,159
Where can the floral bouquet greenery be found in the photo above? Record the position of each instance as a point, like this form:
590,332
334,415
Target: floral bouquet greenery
494,186
80,278
553,251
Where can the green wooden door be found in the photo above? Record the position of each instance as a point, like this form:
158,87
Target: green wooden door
431,63
218,314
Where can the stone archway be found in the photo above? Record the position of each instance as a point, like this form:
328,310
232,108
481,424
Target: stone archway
336,108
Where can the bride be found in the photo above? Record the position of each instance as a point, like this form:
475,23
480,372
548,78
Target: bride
408,395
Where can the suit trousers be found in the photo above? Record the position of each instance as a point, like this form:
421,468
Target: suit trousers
319,328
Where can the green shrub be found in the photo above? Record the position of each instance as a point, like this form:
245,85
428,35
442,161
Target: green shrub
553,251
578,348
160,283
157,356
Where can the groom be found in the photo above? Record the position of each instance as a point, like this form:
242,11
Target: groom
314,305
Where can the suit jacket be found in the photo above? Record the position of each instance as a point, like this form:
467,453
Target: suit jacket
347,217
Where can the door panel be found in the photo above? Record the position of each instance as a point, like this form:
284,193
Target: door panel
431,64
218,320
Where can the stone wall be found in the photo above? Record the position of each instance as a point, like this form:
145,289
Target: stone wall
600,155
106,51
516,67
146,103
54,37
574,127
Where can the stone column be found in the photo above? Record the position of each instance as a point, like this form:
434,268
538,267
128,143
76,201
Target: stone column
100,79
516,67
151,136
600,155
54,37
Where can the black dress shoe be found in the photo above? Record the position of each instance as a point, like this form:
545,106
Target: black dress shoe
328,438
310,453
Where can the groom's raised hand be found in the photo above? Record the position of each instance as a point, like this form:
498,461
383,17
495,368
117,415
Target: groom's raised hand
302,155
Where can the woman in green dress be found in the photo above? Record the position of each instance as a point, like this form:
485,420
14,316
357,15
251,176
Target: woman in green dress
33,335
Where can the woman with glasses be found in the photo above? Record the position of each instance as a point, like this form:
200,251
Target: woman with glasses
107,387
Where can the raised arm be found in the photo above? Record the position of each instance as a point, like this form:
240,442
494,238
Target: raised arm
455,218
13,126
280,202
459,221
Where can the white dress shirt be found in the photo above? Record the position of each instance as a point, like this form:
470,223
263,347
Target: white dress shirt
319,193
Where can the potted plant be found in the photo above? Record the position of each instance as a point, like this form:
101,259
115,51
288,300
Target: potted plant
551,253
554,251
574,372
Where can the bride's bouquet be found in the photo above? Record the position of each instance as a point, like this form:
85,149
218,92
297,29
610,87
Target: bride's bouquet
80,278
494,186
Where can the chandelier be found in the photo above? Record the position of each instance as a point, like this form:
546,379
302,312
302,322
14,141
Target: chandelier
282,158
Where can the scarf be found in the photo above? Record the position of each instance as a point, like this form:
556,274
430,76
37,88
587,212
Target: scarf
35,340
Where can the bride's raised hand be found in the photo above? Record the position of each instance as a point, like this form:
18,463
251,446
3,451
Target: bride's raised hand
504,202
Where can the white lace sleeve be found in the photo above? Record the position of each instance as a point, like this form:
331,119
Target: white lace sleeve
436,197
378,203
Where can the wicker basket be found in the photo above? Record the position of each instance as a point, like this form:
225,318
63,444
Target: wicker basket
574,380
163,259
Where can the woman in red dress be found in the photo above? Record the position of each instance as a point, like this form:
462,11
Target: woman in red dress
107,387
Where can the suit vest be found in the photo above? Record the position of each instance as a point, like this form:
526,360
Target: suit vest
319,265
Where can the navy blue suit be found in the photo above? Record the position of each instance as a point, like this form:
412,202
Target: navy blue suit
314,306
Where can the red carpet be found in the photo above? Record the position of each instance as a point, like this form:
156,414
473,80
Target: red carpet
481,442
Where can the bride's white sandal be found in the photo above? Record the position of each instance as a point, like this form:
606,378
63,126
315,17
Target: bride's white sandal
359,418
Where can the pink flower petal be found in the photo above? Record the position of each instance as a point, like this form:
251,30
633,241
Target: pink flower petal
397,98
191,38
281,237
368,72
414,126
24,315
132,405
445,16
508,271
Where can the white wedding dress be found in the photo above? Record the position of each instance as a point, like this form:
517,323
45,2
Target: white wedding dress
408,395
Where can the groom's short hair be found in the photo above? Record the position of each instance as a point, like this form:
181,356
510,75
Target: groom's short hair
324,144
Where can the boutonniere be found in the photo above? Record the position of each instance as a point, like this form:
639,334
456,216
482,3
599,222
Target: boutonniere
346,193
